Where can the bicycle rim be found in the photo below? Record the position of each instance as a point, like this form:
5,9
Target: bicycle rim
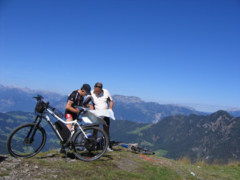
19,145
90,149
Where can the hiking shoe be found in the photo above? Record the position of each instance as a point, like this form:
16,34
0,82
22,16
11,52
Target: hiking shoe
108,149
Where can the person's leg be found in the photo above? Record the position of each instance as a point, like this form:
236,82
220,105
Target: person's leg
106,128
95,133
69,118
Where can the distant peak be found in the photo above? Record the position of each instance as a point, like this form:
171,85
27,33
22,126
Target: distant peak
27,90
127,99
183,106
220,113
233,110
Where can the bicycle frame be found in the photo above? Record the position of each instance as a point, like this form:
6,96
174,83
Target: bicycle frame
29,138
47,118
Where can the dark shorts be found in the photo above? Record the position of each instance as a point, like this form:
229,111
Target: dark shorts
107,120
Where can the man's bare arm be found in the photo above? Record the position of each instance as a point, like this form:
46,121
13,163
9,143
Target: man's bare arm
70,108
111,105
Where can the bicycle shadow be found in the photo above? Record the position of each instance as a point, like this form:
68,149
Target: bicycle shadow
51,155
70,156
104,158
2,158
108,156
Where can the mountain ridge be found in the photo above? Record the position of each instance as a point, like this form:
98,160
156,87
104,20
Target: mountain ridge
125,107
210,138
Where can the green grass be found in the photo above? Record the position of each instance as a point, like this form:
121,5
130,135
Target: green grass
4,174
10,120
138,131
118,164
122,164
18,116
160,152
145,143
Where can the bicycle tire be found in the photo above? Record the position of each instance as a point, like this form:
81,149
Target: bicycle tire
88,150
18,144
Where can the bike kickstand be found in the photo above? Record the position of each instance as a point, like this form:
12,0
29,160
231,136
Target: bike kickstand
66,151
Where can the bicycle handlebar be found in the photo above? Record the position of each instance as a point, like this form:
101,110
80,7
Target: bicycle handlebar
39,97
83,108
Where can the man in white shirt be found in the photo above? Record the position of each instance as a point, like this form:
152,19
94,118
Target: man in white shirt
100,98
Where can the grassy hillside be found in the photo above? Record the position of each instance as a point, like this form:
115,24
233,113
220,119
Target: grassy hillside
213,138
119,164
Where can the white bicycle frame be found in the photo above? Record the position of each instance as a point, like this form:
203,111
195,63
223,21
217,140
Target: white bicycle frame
74,122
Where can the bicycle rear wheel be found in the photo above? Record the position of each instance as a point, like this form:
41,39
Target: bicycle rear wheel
91,148
20,144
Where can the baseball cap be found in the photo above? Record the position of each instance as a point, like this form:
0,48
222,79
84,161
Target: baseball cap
86,88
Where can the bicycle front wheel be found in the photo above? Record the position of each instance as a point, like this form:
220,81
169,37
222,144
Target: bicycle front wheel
26,142
91,148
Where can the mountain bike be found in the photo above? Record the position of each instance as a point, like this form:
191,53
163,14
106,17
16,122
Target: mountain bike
28,139
142,150
135,148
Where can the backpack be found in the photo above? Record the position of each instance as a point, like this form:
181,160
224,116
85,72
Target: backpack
63,130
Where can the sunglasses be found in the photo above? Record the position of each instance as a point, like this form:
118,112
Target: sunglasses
99,86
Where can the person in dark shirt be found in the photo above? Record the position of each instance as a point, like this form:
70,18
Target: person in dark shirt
75,99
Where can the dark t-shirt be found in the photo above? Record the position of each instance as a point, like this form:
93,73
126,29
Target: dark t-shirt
76,99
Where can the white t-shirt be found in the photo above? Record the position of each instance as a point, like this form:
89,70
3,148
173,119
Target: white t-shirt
101,101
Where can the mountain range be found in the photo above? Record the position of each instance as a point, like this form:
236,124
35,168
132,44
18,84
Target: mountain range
21,99
125,107
214,138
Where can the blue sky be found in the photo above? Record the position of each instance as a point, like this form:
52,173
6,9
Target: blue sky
172,52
